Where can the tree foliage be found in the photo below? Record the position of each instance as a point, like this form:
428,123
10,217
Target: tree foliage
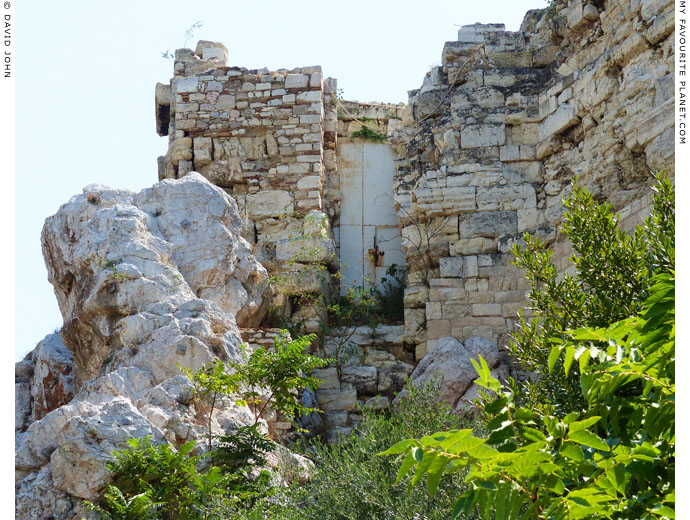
612,273
613,454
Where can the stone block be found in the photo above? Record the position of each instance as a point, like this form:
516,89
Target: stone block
186,107
436,329
213,86
433,311
561,120
316,79
309,118
475,246
421,349
414,331
416,296
378,402
488,224
185,85
309,250
486,309
310,96
309,182
499,79
269,203
184,167
181,150
511,58
207,50
328,377
337,418
363,378
471,266
651,125
477,32
518,196
574,14
476,136
510,153
452,267
337,400
271,146
203,152
296,81
299,279
527,220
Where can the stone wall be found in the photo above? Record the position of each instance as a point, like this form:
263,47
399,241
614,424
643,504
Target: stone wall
485,150
369,375
259,135
493,138
372,368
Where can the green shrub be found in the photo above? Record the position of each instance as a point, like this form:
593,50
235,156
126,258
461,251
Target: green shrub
117,507
613,275
389,296
351,482
614,460
159,472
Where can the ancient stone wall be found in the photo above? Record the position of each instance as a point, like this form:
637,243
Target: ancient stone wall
485,151
493,138
258,134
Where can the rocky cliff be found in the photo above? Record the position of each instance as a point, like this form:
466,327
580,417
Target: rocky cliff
145,281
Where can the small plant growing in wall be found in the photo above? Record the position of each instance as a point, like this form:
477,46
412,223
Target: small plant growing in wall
367,133
264,378
115,274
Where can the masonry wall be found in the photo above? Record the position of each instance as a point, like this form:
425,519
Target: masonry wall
273,141
485,150
492,140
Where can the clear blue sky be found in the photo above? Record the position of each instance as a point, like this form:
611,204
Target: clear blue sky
86,71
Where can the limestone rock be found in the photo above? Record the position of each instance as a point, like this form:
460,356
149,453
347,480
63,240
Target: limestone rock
112,254
449,365
130,271
53,381
203,226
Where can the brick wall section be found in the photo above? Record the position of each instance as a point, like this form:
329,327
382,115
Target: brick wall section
493,138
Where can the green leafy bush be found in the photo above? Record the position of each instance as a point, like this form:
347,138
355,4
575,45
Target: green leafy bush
243,448
158,472
275,377
613,275
615,460
389,296
117,507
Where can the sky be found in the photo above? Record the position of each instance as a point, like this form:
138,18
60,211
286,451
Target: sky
86,73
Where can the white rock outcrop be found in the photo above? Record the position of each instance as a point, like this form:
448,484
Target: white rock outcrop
128,268
449,366
145,281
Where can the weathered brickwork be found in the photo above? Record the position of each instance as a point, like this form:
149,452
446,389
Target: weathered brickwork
492,140
485,150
